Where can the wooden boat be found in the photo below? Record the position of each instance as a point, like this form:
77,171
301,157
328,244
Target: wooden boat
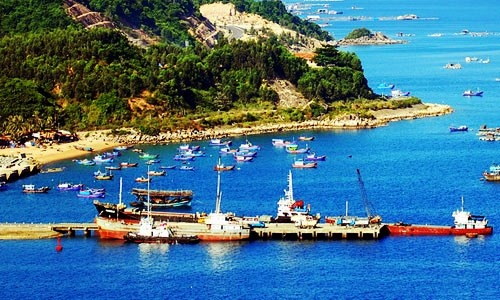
182,157
157,173
281,142
85,162
242,158
128,164
294,149
31,189
301,164
164,198
98,175
113,167
493,174
143,179
222,167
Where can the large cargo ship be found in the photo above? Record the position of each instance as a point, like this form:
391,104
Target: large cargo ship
465,224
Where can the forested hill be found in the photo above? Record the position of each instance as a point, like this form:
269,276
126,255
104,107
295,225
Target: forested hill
55,72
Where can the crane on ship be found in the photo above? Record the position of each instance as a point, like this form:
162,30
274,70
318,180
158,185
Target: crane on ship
373,217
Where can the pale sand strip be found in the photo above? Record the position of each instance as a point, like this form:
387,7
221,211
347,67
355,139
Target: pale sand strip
101,140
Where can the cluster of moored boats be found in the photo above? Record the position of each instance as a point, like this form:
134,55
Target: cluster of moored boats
309,160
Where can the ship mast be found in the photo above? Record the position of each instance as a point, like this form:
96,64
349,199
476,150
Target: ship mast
219,193
149,200
119,198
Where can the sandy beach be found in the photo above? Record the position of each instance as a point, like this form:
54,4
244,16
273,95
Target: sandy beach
102,140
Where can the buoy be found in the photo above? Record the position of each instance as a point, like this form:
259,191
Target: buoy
59,247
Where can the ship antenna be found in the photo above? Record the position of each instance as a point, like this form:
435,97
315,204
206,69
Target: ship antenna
290,185
149,200
119,198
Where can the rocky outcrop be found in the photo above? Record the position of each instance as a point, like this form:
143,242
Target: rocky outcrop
377,38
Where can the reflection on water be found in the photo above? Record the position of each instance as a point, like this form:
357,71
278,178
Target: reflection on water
221,255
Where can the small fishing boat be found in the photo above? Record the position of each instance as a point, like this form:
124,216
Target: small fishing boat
186,168
143,179
113,167
314,157
222,167
85,162
148,156
157,173
182,157
220,142
306,138
128,164
32,189
242,158
90,193
281,142
385,86
152,161
459,128
66,186
471,93
301,164
294,149
103,175
168,167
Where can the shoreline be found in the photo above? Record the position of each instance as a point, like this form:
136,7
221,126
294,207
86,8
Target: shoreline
101,141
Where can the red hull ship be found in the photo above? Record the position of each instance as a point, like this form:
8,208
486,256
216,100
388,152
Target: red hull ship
465,224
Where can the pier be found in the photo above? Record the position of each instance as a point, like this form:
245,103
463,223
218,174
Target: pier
13,168
272,231
10,231
322,231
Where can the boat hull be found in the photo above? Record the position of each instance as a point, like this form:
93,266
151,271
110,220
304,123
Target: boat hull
488,176
118,229
417,230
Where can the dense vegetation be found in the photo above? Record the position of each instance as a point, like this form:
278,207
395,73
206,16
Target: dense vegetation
58,74
357,33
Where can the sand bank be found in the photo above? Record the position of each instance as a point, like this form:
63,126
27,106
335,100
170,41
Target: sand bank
102,140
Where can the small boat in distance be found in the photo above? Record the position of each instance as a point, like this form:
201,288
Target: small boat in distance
471,93
32,189
386,86
459,128
493,174
314,157
128,164
143,179
306,138
301,164
66,186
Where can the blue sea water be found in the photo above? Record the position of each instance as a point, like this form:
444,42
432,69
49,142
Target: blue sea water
415,171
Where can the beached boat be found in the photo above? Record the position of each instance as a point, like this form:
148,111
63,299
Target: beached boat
301,164
32,189
471,93
66,186
464,223
294,211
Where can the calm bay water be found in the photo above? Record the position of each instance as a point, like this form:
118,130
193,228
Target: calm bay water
414,171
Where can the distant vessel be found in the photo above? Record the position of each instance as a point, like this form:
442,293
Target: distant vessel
471,93
31,189
407,17
465,224
493,174
459,128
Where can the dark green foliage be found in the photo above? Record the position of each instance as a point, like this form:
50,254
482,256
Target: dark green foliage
357,33
79,78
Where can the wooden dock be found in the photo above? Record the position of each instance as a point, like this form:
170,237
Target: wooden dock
9,231
322,231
